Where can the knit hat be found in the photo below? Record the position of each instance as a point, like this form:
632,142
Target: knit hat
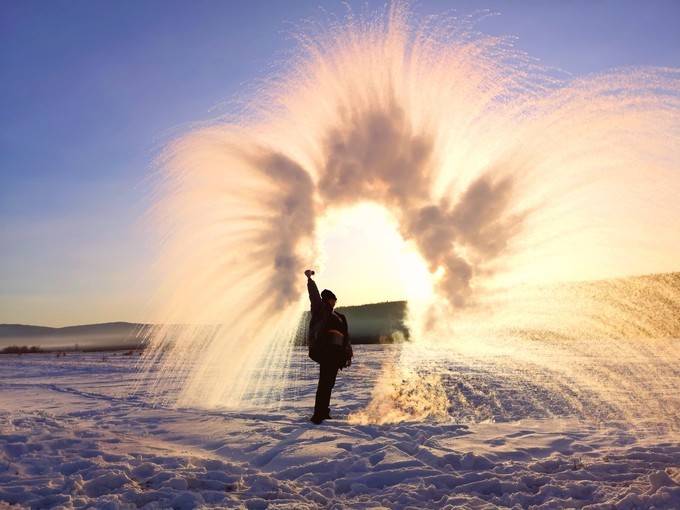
327,294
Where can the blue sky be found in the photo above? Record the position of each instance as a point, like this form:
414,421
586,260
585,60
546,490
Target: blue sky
91,90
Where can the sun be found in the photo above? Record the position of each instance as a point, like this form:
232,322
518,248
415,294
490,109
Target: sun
365,259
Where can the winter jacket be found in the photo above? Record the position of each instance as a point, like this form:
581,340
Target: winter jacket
321,313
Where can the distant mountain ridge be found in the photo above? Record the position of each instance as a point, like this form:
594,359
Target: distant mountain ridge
31,330
371,323
374,323
120,335
385,322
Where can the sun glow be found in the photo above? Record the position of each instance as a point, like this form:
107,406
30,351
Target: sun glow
364,259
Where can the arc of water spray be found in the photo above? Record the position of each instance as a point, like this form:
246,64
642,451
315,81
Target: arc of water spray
499,172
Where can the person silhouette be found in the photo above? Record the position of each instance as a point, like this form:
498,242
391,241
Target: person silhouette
329,345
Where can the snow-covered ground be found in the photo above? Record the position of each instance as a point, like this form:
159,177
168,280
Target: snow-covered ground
72,434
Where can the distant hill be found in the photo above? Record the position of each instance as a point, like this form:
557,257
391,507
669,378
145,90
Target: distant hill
639,306
110,335
645,306
368,324
373,323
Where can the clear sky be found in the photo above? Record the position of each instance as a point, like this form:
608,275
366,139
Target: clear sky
91,90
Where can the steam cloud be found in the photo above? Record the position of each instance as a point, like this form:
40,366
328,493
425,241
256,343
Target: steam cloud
294,222
378,156
494,169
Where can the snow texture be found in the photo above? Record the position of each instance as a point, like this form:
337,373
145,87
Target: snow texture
73,436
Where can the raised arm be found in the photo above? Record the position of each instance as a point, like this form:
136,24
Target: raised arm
313,290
